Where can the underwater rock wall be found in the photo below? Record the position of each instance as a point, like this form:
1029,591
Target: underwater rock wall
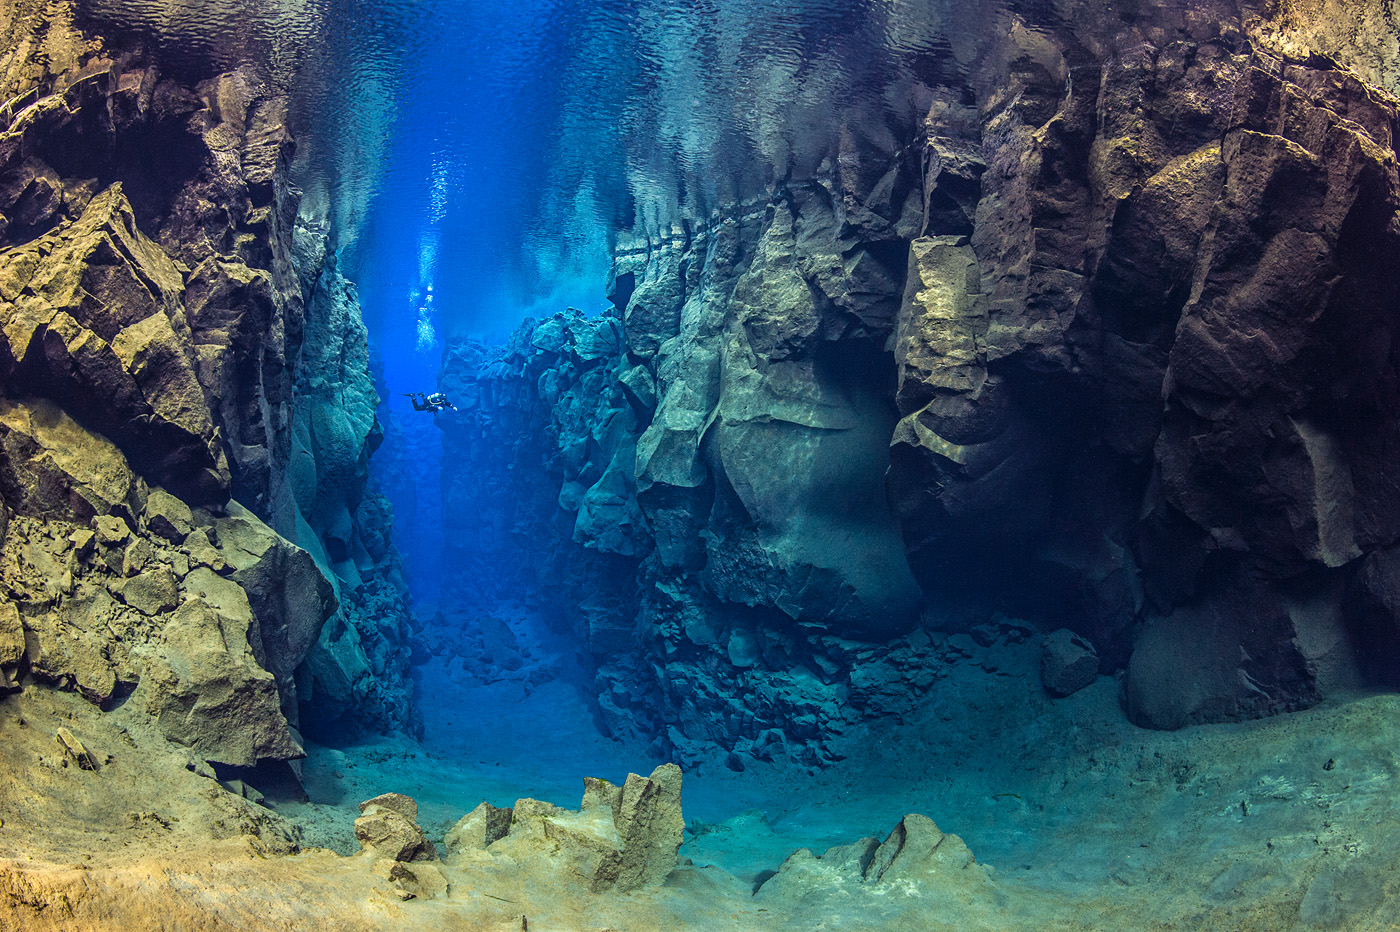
1179,372
540,504
186,401
1110,346
537,500
356,675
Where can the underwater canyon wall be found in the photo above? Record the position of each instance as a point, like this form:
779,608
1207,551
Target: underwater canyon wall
1108,343
187,410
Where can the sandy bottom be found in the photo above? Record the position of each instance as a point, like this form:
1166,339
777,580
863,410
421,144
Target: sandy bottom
1289,823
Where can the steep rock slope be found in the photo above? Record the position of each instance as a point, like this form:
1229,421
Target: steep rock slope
1107,344
169,336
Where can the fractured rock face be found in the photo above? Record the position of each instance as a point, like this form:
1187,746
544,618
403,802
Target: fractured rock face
91,317
159,284
916,856
621,838
103,594
286,591
1115,355
647,815
51,467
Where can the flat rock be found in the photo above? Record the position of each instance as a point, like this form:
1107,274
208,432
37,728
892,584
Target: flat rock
648,817
153,592
421,880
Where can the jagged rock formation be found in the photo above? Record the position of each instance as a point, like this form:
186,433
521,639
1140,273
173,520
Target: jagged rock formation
621,838
1107,344
357,672
195,613
916,853
185,409
576,546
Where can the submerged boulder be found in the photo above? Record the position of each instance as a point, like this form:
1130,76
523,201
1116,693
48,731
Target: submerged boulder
388,827
1068,663
206,690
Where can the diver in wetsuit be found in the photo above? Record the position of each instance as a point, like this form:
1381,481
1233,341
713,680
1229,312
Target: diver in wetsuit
432,403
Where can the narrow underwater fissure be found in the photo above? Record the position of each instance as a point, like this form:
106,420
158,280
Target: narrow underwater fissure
916,465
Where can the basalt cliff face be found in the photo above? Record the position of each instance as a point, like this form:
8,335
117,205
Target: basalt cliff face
186,410
1108,345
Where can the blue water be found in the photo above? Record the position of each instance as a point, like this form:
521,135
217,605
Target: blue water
517,138
476,159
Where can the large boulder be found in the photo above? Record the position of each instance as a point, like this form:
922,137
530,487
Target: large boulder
1068,662
388,827
205,688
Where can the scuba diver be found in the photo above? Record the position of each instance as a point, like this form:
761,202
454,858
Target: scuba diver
433,403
